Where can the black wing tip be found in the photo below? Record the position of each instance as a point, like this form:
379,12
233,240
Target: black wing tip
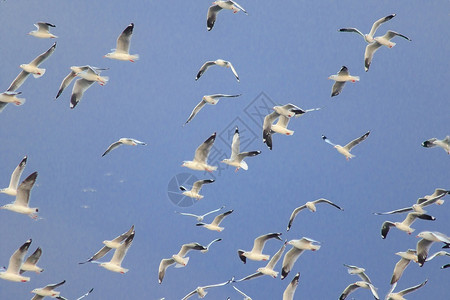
236,130
242,257
284,273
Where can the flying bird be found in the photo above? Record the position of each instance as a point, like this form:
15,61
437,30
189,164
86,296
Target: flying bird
405,225
311,205
267,127
437,192
369,38
342,76
399,296
400,266
10,97
195,190
214,225
123,141
15,262
200,217
359,284
43,31
290,289
418,207
115,264
298,247
220,63
237,158
347,148
86,72
208,99
201,156
217,7
354,270
20,204
201,290
31,261
424,245
48,290
15,177
122,51
258,246
433,142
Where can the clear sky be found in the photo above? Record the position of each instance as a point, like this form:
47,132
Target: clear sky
283,51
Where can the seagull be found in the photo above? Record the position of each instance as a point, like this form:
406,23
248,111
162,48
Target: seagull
444,144
290,289
359,284
43,31
437,192
399,295
48,290
378,42
219,62
209,245
269,268
267,127
237,158
285,113
123,141
258,246
201,155
179,259
195,190
291,110
113,244
439,253
201,290
298,246
418,207
217,7
246,297
79,298
424,245
86,72
208,99
354,270
31,68
114,264
200,218
369,38
400,266
15,177
311,206
342,76
405,225
20,205
15,262
347,148
10,97
214,225
31,261
123,46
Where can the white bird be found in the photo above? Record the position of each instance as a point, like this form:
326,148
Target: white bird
113,244
439,253
258,247
217,7
201,290
418,207
115,264
291,110
123,141
214,225
43,31
311,205
20,204
400,266
399,295
220,63
405,225
237,158
48,290
15,262
208,99
246,297
298,247
201,156
86,72
209,245
284,112
195,190
267,127
122,51
80,86
369,38
347,148
15,177
437,192
290,289
10,97
79,298
433,142
378,42
31,261
342,76
179,259
200,217
359,284
31,68
354,270
424,245
269,268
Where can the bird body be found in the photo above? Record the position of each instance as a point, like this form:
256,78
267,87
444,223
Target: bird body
199,162
20,204
123,46
15,177
11,97
43,31
12,273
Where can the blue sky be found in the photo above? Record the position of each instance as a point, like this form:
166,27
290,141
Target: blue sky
283,53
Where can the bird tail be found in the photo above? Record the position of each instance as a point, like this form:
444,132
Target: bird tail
39,74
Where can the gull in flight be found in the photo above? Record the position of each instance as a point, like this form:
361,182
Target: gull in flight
418,207
114,264
311,205
123,141
48,290
31,68
113,244
400,266
31,261
290,289
405,224
217,7
15,262
433,142
195,190
424,245
123,46
347,148
298,247
220,63
354,270
198,217
86,72
437,192
258,246
10,97
201,155
342,76
246,297
290,110
399,295
214,225
237,158
15,177
20,204
179,259
43,31
369,38
201,290
359,284
208,99
209,245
